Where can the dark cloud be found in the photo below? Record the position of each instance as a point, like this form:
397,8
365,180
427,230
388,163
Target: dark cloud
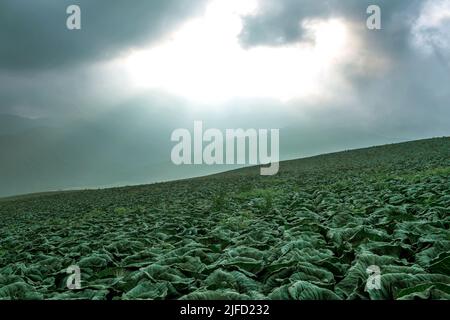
98,131
34,35
410,96
279,22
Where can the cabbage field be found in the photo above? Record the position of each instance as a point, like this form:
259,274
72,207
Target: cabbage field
310,232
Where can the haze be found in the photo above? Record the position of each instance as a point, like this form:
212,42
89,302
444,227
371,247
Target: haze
96,107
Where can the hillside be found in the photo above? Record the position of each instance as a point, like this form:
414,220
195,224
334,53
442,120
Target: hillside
309,232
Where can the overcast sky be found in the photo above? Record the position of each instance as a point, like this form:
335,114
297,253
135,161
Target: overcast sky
311,67
300,56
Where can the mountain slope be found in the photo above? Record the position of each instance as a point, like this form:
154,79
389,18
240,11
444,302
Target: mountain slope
130,146
314,231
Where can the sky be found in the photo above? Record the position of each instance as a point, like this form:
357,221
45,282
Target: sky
109,95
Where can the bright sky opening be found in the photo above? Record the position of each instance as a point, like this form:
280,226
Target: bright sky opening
203,61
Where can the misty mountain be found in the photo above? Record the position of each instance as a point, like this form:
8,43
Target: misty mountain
131,146
115,149
12,124
84,154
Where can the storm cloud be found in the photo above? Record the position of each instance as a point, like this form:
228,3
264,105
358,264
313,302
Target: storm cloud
73,116
34,33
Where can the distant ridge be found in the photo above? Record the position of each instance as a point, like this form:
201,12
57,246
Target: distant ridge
384,151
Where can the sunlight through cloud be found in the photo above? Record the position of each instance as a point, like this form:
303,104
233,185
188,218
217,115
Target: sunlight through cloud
204,61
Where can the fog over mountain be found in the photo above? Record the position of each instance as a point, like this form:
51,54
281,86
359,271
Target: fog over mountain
96,107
